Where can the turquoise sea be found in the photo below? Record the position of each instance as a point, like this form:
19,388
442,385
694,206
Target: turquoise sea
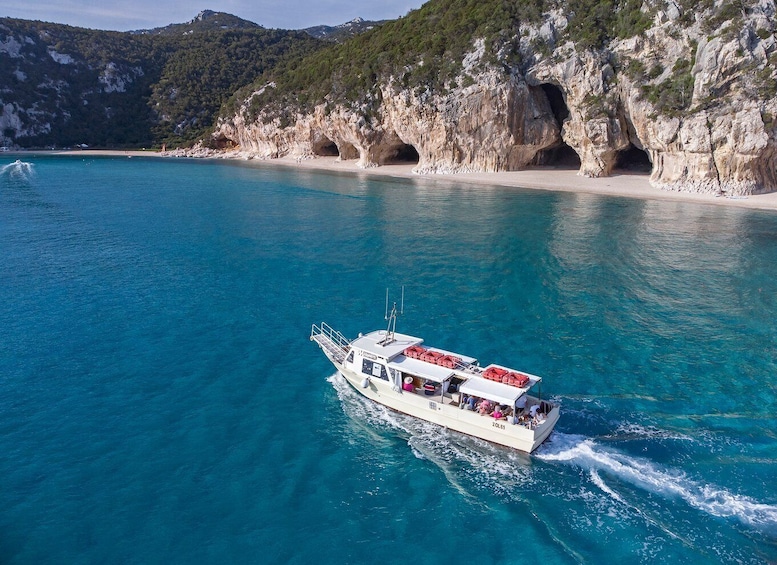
160,401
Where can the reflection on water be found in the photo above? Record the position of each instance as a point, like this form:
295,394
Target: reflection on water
668,276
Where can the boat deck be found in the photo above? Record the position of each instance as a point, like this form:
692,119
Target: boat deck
524,415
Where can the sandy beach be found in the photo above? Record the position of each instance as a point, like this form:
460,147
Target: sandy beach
626,185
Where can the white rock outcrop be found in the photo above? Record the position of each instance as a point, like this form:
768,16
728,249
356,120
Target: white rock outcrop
700,105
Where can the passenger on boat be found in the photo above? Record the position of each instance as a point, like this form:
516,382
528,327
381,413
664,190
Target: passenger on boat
537,417
471,401
497,413
520,405
485,407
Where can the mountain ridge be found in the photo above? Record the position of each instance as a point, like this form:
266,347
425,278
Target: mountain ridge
62,85
343,31
205,20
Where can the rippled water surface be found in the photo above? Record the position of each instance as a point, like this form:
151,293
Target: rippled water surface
161,401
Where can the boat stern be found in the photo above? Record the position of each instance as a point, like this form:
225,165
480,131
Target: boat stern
542,431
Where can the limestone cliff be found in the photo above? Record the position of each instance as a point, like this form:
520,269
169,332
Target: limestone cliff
691,97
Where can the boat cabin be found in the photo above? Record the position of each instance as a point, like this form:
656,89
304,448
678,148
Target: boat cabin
446,377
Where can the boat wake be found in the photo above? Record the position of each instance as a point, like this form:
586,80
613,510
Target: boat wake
18,171
602,462
472,463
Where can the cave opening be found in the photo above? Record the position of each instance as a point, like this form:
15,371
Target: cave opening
560,154
222,143
557,104
404,153
633,160
325,147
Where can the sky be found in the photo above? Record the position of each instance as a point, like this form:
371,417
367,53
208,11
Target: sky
126,15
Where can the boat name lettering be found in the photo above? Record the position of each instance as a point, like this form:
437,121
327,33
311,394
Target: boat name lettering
498,425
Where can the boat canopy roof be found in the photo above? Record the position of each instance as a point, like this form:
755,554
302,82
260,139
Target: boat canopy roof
373,343
427,371
491,390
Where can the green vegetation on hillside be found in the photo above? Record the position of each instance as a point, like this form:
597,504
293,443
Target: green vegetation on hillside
593,23
672,96
421,50
424,50
113,89
57,74
200,73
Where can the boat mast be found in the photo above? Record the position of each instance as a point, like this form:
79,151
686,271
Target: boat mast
391,317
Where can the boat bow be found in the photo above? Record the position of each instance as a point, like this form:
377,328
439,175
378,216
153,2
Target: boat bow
334,344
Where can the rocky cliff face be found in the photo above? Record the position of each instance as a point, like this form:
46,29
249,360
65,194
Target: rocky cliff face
694,106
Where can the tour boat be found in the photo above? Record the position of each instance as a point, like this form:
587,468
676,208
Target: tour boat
449,389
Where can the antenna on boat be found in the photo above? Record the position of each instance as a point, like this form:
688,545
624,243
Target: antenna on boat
391,317
386,315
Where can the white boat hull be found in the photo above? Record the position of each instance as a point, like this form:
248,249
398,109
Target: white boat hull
384,367
440,411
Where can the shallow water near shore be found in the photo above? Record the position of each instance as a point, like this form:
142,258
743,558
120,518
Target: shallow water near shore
161,401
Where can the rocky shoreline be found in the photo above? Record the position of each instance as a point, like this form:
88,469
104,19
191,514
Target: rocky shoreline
541,178
544,178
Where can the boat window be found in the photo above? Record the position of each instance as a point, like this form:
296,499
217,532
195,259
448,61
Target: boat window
350,357
374,369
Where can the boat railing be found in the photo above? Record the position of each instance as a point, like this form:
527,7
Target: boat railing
330,340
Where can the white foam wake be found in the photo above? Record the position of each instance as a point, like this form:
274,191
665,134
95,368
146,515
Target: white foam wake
502,470
714,500
18,170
